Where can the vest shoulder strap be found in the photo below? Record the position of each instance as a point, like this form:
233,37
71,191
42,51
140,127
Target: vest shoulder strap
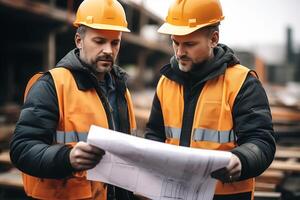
167,84
31,83
60,74
235,77
38,75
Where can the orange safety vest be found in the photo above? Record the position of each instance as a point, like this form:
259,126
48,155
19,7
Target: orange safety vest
78,110
213,123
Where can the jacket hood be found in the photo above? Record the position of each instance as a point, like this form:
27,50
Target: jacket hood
223,57
72,62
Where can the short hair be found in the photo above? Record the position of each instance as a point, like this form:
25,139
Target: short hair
81,30
211,29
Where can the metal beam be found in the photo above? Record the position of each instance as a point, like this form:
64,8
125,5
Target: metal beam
145,11
138,40
51,51
40,9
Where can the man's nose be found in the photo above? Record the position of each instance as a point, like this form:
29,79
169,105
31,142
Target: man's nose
107,48
180,51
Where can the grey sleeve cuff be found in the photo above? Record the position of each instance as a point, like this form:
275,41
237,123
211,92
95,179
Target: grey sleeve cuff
254,161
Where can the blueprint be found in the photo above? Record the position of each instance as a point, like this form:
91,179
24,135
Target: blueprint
153,169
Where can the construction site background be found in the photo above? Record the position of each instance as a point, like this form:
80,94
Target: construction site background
37,33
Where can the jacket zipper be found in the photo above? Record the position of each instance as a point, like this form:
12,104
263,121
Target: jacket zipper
108,109
191,96
187,121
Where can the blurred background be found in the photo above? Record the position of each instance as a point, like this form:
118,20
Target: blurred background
265,34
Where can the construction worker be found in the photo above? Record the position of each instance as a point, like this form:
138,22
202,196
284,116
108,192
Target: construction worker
86,87
206,99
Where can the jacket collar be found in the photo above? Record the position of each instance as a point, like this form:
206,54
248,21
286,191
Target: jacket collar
86,81
84,77
223,57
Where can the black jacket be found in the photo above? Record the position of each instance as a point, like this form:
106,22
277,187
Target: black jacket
33,148
251,112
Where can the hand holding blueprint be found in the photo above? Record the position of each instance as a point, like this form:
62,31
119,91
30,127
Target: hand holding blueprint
155,170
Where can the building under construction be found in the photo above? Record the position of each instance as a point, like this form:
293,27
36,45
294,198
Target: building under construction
38,33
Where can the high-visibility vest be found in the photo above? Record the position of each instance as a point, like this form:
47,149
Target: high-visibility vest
213,123
78,110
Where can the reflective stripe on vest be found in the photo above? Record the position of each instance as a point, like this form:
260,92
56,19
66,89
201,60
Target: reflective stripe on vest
213,123
213,135
203,135
70,137
172,132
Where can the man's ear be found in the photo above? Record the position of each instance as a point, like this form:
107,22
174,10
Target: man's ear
214,39
78,41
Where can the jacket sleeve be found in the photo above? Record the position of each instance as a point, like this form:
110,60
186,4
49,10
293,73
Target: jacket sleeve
32,148
254,129
155,129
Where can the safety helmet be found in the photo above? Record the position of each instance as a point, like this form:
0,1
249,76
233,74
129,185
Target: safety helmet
186,16
102,14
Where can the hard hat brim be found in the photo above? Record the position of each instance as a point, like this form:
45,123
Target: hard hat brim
170,29
103,27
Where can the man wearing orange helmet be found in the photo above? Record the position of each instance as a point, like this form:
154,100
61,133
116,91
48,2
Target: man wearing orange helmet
85,88
206,99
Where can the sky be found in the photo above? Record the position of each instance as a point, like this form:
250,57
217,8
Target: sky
250,23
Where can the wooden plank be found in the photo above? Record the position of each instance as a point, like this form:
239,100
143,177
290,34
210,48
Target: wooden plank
285,166
12,178
267,195
284,114
271,176
6,131
273,173
289,148
4,157
267,187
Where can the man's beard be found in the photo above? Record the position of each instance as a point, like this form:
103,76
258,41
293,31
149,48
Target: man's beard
185,68
105,68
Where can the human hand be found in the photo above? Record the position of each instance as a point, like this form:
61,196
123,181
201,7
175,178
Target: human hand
84,156
231,172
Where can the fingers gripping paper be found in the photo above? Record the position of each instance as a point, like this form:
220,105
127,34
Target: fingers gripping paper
155,170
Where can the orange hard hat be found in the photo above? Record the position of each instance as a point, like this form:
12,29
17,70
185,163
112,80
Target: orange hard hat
186,16
102,14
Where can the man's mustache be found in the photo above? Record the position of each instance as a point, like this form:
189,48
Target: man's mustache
183,58
107,58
